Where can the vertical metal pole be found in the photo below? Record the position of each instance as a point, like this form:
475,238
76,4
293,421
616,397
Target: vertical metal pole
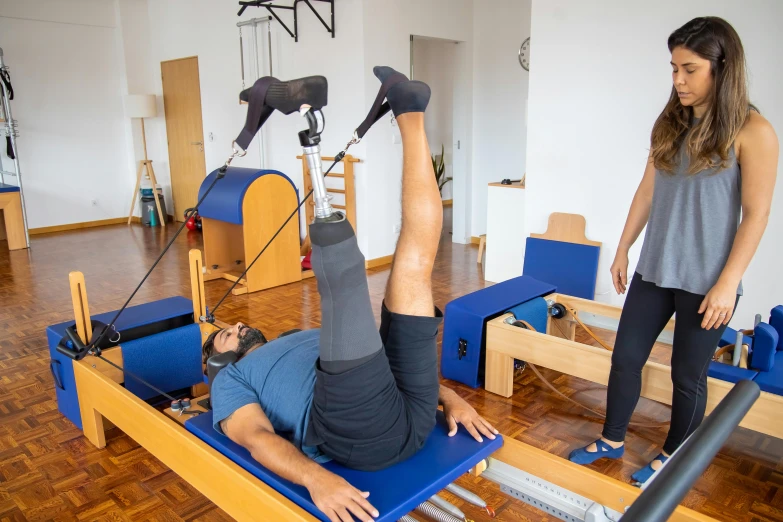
242,58
12,133
269,44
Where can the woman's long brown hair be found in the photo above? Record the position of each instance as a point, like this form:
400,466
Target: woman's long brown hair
707,142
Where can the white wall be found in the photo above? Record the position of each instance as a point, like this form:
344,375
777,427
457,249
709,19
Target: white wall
600,75
387,30
68,73
500,93
434,64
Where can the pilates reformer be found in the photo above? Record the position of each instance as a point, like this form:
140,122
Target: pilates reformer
126,351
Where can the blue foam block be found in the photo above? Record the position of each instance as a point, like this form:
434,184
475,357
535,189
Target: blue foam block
172,308
776,322
394,491
168,360
729,373
765,342
534,312
466,317
772,381
224,202
571,267
8,188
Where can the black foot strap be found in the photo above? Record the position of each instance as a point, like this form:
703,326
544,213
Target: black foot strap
380,107
257,112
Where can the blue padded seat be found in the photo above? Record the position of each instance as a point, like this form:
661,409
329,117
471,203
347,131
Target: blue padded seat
571,267
729,373
772,381
394,491
8,188
224,202
465,324
776,322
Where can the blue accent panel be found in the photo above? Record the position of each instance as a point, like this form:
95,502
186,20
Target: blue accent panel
224,202
8,188
729,373
394,491
571,267
776,322
534,312
765,343
772,381
134,316
169,360
466,318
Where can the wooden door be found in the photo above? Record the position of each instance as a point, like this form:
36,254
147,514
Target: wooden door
182,103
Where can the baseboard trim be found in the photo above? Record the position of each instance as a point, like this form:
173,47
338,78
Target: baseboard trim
448,202
86,224
379,261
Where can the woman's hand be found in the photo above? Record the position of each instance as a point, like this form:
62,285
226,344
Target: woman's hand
619,271
718,305
457,411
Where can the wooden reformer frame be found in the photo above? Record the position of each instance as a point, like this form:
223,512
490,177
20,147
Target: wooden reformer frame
551,350
102,400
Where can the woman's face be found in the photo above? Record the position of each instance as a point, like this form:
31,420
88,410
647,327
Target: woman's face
692,77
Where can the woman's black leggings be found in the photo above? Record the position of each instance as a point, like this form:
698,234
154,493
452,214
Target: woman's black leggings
646,311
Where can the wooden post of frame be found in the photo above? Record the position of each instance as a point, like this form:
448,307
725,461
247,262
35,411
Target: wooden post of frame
197,284
81,309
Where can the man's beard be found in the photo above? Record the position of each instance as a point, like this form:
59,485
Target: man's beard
249,338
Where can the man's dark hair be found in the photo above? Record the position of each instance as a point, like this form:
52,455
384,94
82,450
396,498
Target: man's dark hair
208,348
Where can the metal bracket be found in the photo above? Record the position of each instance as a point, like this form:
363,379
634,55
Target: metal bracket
295,33
550,498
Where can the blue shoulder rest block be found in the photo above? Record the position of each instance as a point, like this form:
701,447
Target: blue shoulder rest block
8,188
462,357
776,322
571,267
765,343
169,360
394,491
729,373
224,202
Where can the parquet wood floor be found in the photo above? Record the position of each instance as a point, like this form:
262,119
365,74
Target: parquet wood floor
48,471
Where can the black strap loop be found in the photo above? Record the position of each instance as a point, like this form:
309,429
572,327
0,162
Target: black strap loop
257,111
379,107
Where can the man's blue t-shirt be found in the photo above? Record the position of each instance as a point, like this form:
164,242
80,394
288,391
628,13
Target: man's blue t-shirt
280,377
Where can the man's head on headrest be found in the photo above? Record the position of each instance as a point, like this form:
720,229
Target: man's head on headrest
240,338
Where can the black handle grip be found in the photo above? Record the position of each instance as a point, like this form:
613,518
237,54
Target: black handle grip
68,352
661,498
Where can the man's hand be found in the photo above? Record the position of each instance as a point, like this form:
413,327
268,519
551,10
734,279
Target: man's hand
338,499
458,411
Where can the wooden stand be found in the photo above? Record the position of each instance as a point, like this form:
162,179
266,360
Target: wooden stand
146,164
11,217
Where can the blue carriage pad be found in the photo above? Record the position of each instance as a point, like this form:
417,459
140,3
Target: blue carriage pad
224,202
8,188
729,373
169,360
571,267
772,381
776,322
394,491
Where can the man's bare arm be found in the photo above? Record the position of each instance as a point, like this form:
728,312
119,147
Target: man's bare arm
250,428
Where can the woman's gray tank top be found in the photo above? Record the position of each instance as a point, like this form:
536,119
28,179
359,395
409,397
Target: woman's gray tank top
691,228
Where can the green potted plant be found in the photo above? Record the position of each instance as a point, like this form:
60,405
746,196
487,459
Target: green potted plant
440,170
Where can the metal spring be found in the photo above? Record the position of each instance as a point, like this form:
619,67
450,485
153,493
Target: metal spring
435,513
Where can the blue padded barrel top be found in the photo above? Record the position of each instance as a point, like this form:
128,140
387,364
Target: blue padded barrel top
394,491
8,188
571,267
224,202
169,360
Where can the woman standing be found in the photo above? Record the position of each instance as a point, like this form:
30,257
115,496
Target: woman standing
705,197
